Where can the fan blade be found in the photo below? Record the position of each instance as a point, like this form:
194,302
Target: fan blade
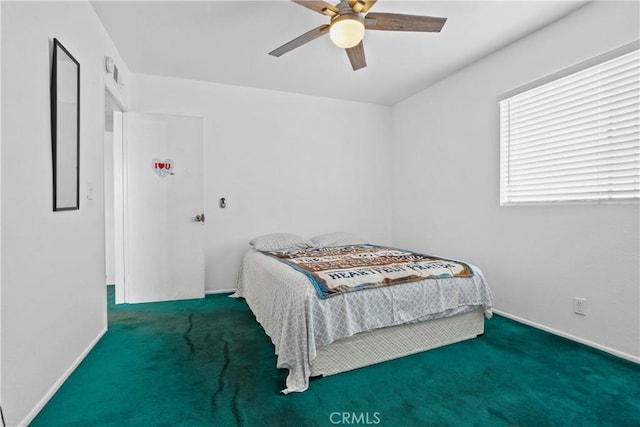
399,22
318,6
356,56
299,41
361,6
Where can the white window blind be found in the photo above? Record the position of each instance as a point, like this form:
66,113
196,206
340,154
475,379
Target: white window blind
574,139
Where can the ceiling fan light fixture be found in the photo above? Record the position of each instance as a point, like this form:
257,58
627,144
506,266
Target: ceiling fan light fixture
347,30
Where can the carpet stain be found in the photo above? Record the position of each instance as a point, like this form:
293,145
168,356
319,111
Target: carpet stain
234,406
500,415
186,334
222,375
207,362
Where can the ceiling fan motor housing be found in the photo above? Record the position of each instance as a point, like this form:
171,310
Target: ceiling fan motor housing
347,29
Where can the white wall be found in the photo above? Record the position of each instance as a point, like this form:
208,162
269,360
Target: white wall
53,294
284,162
1,229
536,258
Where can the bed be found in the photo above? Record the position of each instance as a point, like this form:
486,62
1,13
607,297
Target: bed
319,336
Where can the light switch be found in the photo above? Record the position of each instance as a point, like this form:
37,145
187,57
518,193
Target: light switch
89,191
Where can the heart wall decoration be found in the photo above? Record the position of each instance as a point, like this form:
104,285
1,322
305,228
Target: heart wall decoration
162,168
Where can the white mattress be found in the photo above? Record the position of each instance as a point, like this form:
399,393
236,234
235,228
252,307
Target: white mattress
298,322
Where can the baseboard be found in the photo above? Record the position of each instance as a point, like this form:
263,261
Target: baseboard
220,291
31,415
606,349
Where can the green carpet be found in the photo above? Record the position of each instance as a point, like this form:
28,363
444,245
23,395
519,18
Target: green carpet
208,363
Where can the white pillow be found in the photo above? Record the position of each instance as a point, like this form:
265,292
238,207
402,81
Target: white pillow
337,239
280,242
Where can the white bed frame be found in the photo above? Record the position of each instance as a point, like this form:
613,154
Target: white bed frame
380,345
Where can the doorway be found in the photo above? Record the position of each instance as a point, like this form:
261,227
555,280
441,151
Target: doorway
113,196
153,205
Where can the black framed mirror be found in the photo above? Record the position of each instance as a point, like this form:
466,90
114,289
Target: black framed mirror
65,128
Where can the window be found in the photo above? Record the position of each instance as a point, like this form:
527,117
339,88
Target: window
575,138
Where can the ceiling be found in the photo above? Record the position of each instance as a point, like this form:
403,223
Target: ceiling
228,42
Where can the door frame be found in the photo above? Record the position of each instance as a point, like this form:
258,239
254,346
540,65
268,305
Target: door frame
114,102
120,196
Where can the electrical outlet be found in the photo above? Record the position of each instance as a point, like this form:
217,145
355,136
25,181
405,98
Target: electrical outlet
580,306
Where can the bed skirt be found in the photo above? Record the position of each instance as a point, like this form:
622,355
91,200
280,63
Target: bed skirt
380,345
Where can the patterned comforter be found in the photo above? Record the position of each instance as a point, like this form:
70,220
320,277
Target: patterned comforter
336,270
298,322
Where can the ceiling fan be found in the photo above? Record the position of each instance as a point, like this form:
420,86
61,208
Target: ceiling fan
348,24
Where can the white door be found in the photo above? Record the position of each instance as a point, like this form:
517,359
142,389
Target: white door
164,217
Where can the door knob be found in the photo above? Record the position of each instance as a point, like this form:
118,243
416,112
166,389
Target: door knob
200,218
